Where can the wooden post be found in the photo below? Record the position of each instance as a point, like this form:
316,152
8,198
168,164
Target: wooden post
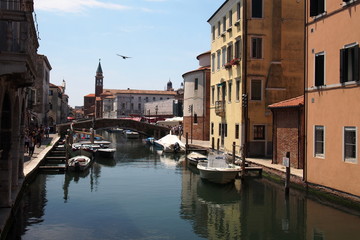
243,148
187,142
287,177
218,145
212,143
66,151
233,152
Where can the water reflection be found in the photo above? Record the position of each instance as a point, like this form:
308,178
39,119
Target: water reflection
141,194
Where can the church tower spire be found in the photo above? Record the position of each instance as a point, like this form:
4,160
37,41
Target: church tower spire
99,80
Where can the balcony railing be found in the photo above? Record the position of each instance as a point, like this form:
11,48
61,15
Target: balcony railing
220,108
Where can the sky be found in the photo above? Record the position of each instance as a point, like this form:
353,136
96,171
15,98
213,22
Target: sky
162,37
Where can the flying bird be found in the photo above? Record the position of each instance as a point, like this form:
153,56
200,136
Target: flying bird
124,57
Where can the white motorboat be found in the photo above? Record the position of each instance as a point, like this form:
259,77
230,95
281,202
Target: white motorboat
106,152
170,143
79,163
194,158
217,170
131,134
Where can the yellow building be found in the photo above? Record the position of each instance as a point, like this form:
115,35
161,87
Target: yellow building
267,50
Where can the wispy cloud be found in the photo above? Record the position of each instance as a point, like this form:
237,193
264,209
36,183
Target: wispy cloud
76,5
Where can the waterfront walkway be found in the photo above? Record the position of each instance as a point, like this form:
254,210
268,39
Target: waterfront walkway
30,165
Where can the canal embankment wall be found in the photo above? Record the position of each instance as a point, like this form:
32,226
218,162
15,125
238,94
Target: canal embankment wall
31,165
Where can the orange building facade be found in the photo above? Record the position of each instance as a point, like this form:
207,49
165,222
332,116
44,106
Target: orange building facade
332,95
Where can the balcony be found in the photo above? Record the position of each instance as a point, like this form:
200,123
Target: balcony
220,108
19,43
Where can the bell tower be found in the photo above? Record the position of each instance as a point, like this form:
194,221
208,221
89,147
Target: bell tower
99,80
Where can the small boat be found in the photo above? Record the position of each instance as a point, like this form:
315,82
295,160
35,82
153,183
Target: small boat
217,170
195,157
106,152
149,140
84,149
131,134
170,143
79,163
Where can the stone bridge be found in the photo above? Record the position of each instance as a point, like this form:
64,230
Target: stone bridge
101,123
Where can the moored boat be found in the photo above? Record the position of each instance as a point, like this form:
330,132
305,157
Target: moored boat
194,158
79,163
217,170
170,143
131,134
106,152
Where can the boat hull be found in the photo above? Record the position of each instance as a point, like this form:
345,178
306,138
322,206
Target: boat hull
106,153
218,175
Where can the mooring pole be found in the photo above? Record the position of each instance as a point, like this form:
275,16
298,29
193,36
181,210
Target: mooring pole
287,177
243,162
187,142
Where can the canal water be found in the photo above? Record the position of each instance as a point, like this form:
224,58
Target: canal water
142,194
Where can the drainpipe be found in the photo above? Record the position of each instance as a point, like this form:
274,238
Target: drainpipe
244,75
305,94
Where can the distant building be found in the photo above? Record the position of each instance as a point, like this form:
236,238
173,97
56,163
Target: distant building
40,92
332,95
131,102
196,119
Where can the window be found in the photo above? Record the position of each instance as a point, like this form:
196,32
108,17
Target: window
225,129
259,132
139,99
196,84
223,56
317,7
237,131
237,90
154,98
224,24
161,98
319,141
230,18
319,69
195,118
139,106
219,28
350,144
256,89
50,106
349,64
212,128
219,129
229,91
218,60
51,92
146,99
256,47
229,53
213,62
238,9
257,8
212,95
238,48
132,106
218,93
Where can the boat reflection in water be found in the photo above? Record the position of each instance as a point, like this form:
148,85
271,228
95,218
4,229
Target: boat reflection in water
144,195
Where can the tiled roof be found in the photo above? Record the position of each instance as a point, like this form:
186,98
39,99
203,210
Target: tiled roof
199,69
90,95
134,91
292,102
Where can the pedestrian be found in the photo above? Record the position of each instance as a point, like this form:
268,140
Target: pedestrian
38,139
32,143
47,131
27,140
